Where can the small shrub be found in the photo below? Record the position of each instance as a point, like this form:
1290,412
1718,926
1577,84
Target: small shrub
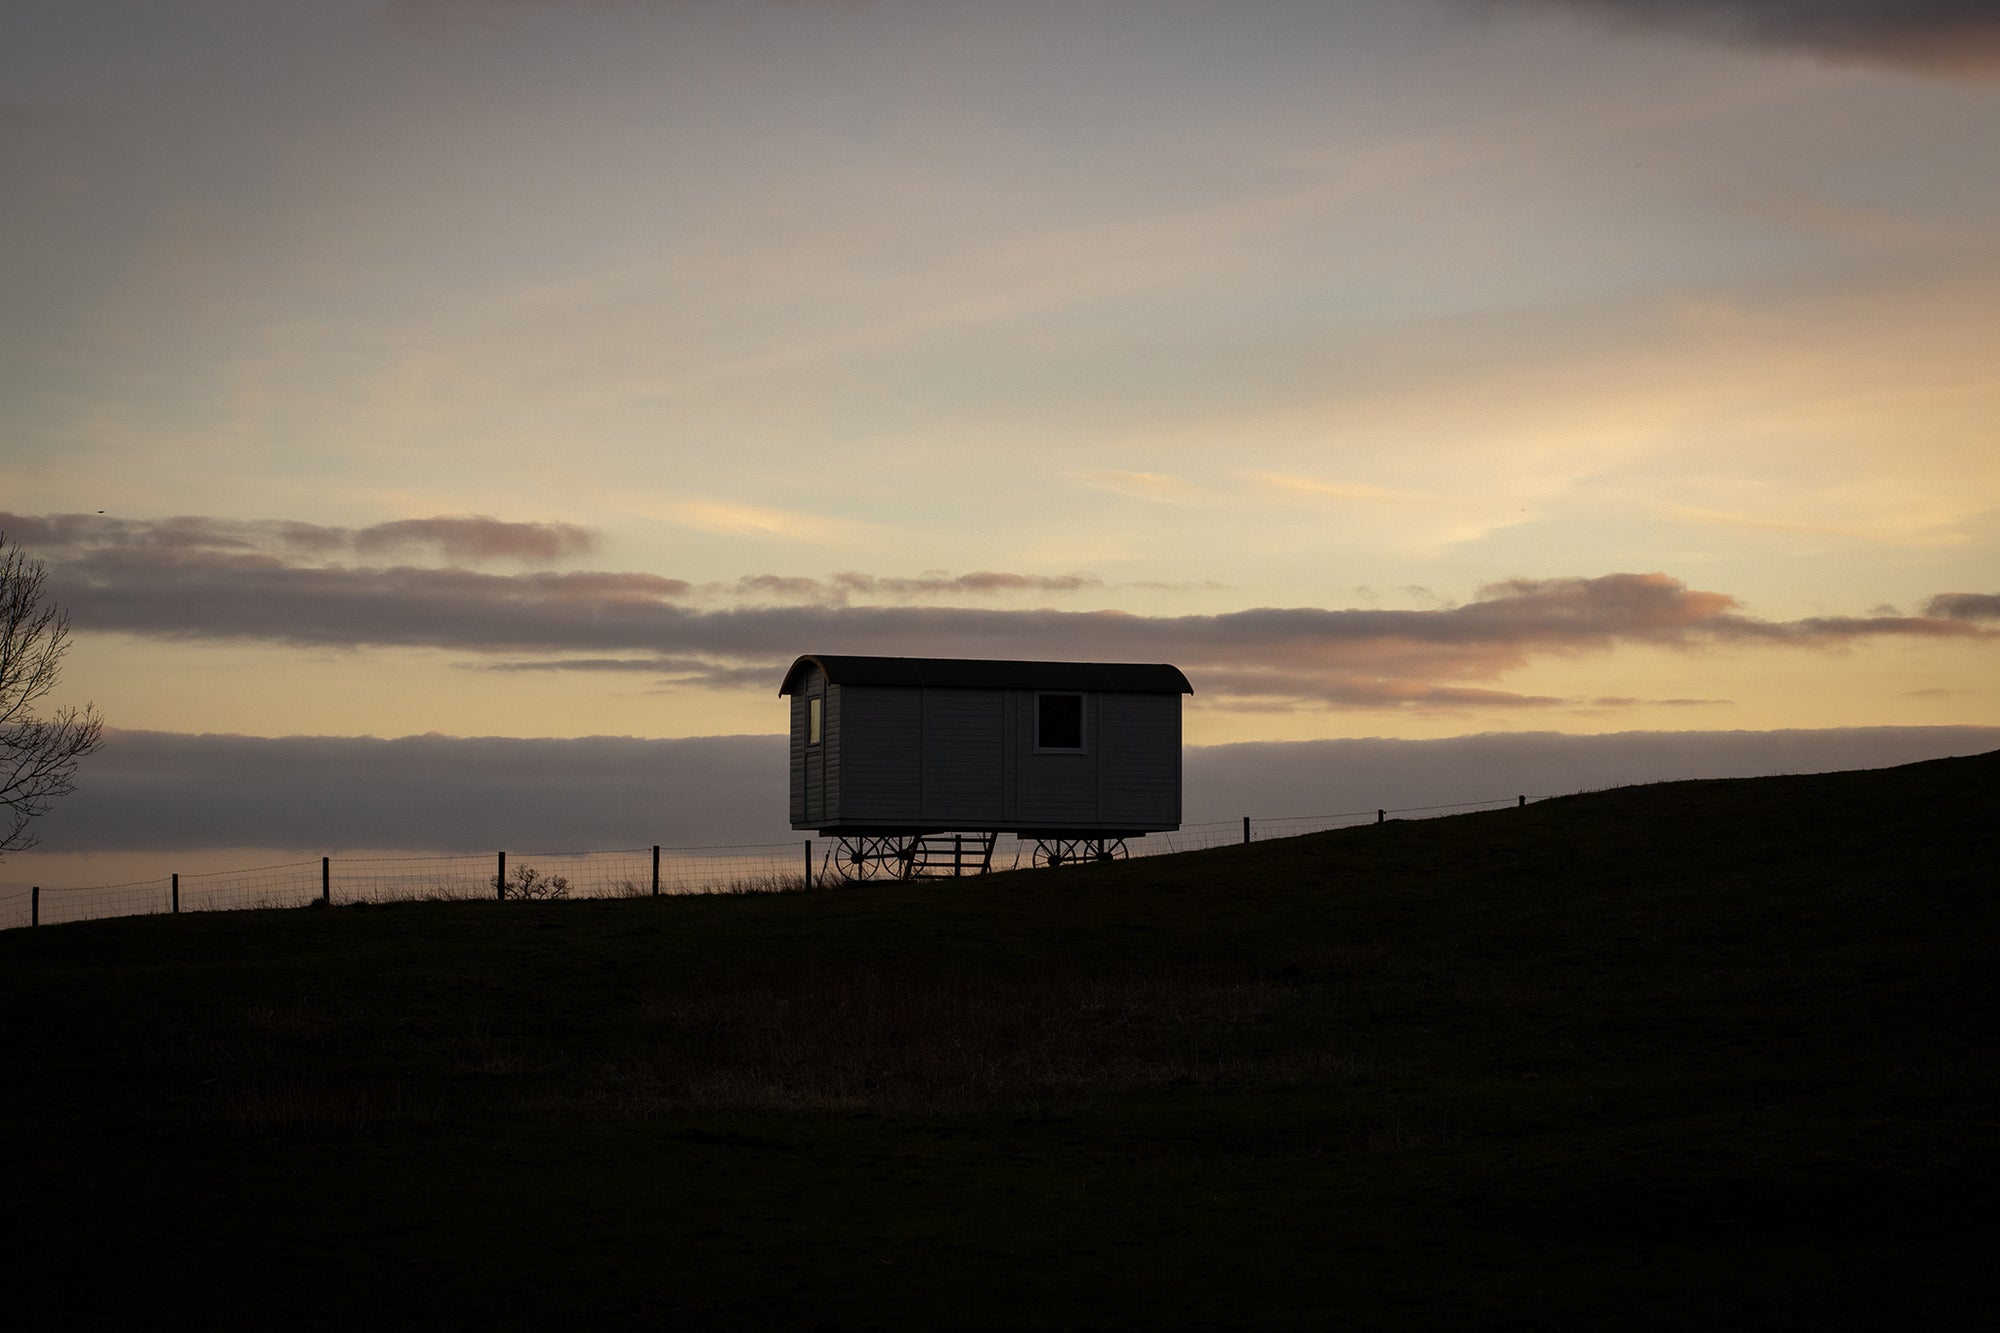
530,885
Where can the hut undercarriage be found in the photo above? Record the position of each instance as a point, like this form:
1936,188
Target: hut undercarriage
906,855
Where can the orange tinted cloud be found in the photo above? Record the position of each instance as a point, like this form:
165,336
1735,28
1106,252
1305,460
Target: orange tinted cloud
1441,657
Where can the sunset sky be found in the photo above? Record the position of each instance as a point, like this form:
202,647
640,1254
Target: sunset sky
1414,370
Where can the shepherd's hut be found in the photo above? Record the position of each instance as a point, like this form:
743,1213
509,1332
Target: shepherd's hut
896,755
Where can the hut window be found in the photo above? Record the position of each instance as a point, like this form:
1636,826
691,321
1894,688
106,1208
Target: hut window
1058,722
814,715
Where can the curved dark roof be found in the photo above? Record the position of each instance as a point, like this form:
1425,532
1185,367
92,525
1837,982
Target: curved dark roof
972,673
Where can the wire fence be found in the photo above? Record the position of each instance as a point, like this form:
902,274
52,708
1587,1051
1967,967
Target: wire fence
633,872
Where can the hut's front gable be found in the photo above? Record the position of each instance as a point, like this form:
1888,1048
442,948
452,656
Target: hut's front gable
1140,763
913,743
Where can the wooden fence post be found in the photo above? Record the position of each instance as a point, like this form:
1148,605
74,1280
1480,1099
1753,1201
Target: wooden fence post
177,895
1520,801
500,879
656,870
35,905
326,881
1246,830
1381,815
809,863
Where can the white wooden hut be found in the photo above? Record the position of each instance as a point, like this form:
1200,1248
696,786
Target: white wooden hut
900,747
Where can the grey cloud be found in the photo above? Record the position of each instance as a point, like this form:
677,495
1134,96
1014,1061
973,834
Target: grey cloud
209,595
1953,37
54,536
841,589
476,537
987,581
1964,606
166,791
148,789
788,587
659,666
434,16
1280,778
1276,685
1195,585
468,537
679,670
1434,658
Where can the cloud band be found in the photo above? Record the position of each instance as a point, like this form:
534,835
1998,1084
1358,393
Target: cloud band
163,582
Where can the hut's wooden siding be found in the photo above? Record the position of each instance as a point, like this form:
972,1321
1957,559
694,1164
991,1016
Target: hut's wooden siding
1139,758
914,757
833,739
815,769
882,763
802,811
964,750
1055,790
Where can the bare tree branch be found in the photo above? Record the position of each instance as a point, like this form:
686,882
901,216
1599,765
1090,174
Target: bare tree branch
38,756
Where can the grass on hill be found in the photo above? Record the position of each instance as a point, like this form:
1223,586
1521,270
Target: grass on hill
1687,1054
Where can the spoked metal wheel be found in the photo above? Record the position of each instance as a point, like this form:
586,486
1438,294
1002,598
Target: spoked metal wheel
1069,851
858,859
1059,852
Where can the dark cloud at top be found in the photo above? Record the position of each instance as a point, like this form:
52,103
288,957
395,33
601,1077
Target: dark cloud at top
1954,37
176,582
470,538
324,794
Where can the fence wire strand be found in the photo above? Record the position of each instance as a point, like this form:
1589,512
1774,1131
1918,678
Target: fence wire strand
633,872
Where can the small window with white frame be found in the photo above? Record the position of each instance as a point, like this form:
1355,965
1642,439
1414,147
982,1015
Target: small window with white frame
1058,723
815,719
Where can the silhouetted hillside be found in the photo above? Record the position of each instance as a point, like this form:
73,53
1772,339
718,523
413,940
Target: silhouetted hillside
1696,1053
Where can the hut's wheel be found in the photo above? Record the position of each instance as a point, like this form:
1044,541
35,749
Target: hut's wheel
1060,852
1070,851
858,859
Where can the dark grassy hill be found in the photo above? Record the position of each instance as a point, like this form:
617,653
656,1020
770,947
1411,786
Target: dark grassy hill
1688,1054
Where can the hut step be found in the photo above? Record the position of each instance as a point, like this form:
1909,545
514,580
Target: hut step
949,855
